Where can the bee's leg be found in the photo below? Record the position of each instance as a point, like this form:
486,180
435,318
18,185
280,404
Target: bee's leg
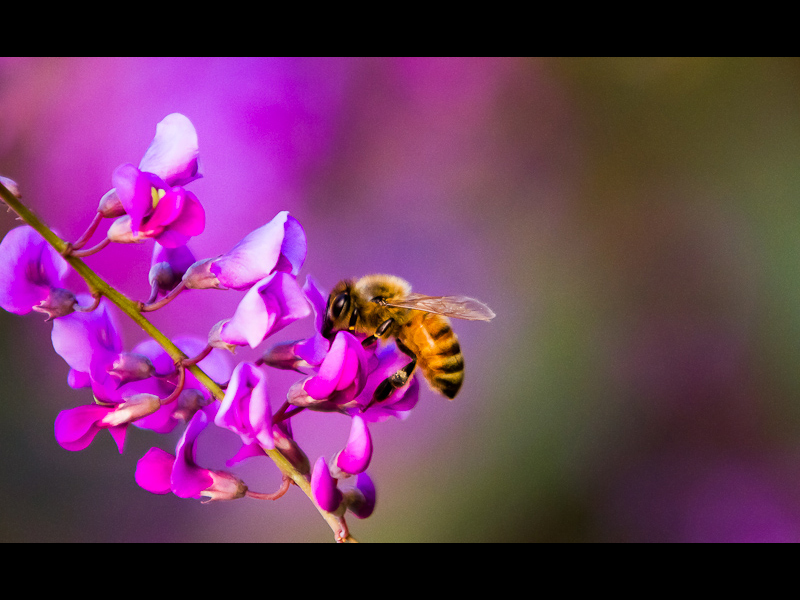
398,380
382,328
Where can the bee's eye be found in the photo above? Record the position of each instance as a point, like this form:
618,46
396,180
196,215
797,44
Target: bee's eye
340,305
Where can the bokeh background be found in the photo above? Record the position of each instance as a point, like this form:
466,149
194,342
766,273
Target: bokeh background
634,223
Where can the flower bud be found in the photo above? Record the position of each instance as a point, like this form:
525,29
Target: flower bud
282,356
135,407
361,499
110,205
200,277
121,233
189,402
225,486
129,367
323,486
215,338
59,302
11,186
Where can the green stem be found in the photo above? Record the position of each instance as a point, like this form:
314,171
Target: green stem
99,286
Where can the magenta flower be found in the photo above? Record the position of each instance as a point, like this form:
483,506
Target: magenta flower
280,245
194,395
245,409
173,158
340,377
160,472
387,361
170,215
309,352
89,342
75,428
355,456
269,306
32,275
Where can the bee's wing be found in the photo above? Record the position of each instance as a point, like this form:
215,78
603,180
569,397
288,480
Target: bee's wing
458,307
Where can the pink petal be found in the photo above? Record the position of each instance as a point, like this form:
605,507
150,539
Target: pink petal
356,455
323,486
75,428
154,470
173,154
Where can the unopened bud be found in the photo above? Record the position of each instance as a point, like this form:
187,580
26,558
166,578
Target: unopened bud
361,499
135,407
215,338
59,302
225,486
189,402
121,232
129,367
200,277
282,356
11,186
110,205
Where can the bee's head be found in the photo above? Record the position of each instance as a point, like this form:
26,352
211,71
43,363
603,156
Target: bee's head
340,313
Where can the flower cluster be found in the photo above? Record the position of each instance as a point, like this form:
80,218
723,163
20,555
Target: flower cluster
146,386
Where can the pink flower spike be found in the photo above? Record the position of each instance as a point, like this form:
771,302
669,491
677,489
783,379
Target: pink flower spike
245,409
323,486
173,154
154,470
356,455
272,304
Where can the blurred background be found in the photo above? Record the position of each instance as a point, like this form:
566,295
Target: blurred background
634,223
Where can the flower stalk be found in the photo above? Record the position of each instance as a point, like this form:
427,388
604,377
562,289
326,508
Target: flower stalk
99,287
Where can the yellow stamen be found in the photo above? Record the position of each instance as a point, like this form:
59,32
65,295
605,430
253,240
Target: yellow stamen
157,194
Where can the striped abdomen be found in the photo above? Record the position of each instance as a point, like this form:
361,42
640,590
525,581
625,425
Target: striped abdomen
438,352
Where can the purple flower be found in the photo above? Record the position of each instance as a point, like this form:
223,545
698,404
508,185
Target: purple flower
173,158
75,428
340,377
194,395
170,215
32,275
245,409
280,245
355,456
269,306
386,362
309,352
89,342
160,472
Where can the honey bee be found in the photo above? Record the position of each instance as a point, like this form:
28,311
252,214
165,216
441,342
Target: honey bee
382,306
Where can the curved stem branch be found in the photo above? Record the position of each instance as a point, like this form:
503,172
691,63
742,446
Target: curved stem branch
81,241
93,250
131,308
151,306
188,362
285,483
